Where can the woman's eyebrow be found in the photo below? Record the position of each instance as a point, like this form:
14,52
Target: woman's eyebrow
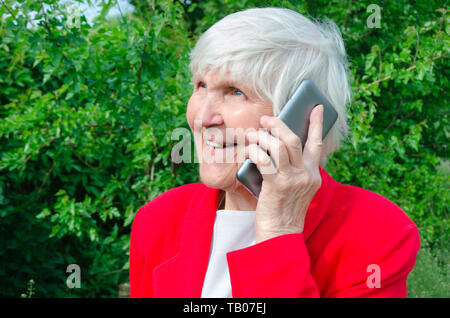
226,82
231,83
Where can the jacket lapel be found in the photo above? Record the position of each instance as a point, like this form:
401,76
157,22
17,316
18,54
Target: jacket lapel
183,275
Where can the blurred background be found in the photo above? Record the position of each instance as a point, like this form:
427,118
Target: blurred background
90,92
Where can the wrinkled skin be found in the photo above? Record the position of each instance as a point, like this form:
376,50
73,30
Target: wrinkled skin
291,176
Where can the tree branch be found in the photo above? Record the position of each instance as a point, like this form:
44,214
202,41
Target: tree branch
412,67
45,180
417,48
395,115
139,71
31,154
9,10
349,10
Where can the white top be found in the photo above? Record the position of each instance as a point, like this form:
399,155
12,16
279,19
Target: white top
233,230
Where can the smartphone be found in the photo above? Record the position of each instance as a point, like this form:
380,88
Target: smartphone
295,114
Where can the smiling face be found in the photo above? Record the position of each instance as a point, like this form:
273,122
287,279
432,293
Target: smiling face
219,112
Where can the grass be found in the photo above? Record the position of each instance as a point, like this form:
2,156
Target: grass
429,278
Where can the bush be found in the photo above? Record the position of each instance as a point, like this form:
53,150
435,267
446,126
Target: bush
429,278
86,115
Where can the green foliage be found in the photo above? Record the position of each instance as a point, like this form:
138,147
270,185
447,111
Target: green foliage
429,278
30,290
86,114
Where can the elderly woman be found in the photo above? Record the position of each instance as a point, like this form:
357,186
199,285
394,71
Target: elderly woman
306,235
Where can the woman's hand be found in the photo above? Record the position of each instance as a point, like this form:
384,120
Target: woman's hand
291,177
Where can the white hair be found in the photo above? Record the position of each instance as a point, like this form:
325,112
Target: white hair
273,50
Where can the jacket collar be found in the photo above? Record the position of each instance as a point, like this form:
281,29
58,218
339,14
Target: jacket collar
183,275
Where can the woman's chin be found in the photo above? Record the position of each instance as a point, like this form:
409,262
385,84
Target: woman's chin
219,176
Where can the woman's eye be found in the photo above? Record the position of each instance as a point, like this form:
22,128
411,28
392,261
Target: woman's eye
201,85
237,92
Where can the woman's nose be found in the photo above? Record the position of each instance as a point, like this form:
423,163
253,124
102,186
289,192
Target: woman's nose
211,112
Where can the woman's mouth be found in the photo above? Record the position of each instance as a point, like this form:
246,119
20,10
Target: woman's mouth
216,152
215,145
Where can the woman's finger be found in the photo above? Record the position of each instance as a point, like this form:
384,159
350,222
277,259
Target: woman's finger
262,160
313,146
291,141
277,150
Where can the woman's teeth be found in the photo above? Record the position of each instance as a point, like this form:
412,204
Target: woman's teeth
212,144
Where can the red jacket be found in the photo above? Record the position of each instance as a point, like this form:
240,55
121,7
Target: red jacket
355,243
